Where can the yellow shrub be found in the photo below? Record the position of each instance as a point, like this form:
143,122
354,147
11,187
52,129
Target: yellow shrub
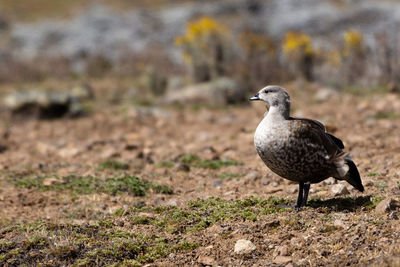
199,35
353,42
253,42
205,48
297,43
334,58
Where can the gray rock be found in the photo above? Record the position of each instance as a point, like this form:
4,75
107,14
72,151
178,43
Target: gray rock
221,91
339,190
47,104
387,205
243,246
253,176
324,94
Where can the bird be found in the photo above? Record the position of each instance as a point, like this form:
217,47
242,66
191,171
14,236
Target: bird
300,149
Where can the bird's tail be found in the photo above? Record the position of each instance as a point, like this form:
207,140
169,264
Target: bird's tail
352,176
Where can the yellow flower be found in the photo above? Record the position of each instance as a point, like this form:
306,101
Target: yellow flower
353,41
296,42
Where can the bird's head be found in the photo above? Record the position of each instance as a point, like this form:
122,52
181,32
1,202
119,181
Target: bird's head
273,95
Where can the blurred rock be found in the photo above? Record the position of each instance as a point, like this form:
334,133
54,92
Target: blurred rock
243,246
387,205
282,259
221,91
47,104
206,260
330,181
338,223
284,250
339,190
325,94
253,176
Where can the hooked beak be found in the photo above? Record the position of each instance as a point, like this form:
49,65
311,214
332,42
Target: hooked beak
255,97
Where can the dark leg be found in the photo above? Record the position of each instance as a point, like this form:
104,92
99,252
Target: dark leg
300,196
306,189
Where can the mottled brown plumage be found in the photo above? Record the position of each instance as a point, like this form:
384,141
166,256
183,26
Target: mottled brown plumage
300,149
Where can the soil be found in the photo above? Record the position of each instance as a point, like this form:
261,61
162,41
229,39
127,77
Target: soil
332,230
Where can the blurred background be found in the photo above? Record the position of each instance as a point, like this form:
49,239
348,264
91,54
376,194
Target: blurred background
126,133
162,48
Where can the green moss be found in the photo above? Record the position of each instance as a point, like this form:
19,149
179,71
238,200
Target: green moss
165,164
140,220
227,175
195,161
387,115
114,165
374,201
373,174
88,185
200,214
185,246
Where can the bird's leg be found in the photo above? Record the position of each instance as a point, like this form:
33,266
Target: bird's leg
306,189
300,196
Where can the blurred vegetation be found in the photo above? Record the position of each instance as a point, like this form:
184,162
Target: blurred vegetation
211,50
206,49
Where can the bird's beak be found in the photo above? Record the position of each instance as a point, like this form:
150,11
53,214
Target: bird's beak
255,97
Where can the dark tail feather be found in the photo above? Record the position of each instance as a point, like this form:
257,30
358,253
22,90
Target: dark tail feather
352,176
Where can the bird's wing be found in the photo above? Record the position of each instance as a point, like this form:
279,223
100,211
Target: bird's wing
319,125
315,132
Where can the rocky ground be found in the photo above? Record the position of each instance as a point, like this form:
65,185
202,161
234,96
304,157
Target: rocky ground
183,186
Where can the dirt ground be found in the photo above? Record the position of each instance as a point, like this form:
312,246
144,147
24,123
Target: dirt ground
202,154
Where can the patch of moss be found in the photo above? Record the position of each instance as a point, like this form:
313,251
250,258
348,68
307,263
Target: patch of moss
73,244
386,115
114,165
228,175
200,214
214,164
165,164
89,185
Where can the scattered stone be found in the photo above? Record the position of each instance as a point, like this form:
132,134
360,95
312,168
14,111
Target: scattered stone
68,152
217,183
294,189
387,205
243,246
171,202
52,181
206,260
274,184
330,181
282,259
338,223
339,190
253,176
284,250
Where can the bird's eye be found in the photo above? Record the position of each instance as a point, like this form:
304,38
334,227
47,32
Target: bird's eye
265,91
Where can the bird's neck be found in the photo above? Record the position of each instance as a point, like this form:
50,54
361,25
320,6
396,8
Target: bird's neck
279,112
